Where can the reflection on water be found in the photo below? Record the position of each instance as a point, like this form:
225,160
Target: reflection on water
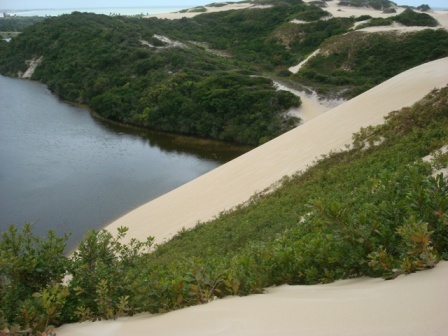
61,169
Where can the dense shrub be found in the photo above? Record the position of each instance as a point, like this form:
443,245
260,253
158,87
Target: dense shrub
375,22
357,61
411,18
18,23
31,272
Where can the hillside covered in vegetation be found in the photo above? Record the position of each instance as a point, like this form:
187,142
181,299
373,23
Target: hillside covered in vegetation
208,76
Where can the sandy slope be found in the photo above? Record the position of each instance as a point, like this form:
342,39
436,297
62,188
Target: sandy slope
210,9
415,304
234,182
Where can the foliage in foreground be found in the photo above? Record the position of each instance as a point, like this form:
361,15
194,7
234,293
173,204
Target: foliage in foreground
373,210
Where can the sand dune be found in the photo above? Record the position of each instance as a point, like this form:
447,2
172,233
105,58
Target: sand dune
234,182
409,305
414,304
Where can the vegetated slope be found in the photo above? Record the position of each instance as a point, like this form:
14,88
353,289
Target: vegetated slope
357,61
18,23
376,4
407,18
374,209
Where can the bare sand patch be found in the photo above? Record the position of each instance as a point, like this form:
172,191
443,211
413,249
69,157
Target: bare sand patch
210,9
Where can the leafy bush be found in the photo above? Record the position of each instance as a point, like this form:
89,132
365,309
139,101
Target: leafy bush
375,22
18,23
376,4
389,10
31,271
411,18
363,18
99,276
424,8
311,13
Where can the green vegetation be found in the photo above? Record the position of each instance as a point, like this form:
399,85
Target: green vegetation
125,73
407,18
424,8
199,9
411,18
388,218
147,72
375,22
356,62
376,4
311,13
18,23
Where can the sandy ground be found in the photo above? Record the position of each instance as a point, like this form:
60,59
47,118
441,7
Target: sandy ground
311,106
33,63
415,304
210,9
332,8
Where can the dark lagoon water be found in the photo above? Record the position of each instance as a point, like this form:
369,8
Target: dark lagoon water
62,169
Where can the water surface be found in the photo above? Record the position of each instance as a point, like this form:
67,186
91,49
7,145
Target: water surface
61,169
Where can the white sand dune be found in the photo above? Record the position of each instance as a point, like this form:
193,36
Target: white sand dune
209,9
233,183
415,304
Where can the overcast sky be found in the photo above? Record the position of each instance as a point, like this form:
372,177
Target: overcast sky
39,4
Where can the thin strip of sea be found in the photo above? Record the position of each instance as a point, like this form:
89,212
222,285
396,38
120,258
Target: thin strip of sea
104,10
